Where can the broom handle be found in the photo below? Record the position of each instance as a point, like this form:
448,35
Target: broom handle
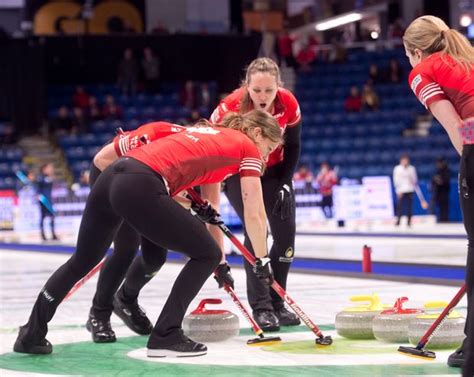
441,318
251,259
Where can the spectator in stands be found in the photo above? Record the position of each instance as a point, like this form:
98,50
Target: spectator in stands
128,73
206,96
44,186
374,74
111,110
93,111
79,121
151,71
370,98
188,95
338,53
326,180
303,174
82,183
440,186
405,181
80,98
305,57
353,103
8,134
285,49
396,29
62,124
394,72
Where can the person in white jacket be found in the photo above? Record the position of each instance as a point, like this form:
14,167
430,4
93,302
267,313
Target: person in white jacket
405,181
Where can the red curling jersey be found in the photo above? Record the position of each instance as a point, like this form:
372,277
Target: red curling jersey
286,110
200,155
436,78
143,135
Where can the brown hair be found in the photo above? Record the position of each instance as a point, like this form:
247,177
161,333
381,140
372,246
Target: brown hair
430,34
265,65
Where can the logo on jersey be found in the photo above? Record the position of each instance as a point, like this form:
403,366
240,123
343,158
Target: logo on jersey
277,116
288,258
415,82
203,130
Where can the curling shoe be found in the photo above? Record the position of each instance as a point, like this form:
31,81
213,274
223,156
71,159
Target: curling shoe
38,347
286,317
100,329
132,315
267,320
187,348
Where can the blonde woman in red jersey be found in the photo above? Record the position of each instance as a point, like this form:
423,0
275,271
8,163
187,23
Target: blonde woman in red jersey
443,80
139,189
262,89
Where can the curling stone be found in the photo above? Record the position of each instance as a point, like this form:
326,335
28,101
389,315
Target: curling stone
392,325
448,336
356,322
204,325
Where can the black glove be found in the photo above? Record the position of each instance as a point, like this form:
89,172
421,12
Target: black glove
206,213
222,275
284,204
263,270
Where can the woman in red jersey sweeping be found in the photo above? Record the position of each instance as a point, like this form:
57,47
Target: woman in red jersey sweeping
139,189
443,80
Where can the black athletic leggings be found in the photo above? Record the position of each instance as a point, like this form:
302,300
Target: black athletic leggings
116,266
405,201
260,296
466,195
130,190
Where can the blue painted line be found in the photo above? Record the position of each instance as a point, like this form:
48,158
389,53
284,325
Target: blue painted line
385,235
62,249
378,268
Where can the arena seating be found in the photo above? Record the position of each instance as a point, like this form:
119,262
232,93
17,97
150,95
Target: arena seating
365,143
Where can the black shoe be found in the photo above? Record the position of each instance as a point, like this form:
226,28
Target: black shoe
40,347
133,316
188,348
456,359
100,329
267,320
286,317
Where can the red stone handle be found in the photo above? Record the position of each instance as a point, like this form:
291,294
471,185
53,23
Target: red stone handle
201,309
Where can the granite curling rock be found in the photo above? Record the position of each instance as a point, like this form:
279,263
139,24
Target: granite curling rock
448,336
392,325
204,325
356,322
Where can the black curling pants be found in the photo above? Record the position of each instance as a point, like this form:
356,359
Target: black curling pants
405,201
466,195
260,296
119,263
131,191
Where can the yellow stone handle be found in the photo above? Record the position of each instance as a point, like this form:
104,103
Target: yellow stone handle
435,304
373,301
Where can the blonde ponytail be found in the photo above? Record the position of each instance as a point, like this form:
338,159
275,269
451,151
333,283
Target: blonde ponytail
430,34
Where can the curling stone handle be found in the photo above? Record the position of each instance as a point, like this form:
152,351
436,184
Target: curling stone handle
373,301
202,305
398,307
435,304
